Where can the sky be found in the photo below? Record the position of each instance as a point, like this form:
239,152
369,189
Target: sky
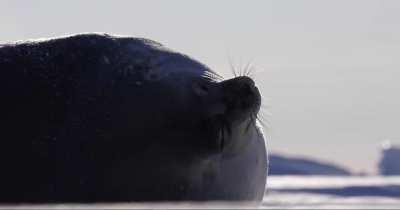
329,71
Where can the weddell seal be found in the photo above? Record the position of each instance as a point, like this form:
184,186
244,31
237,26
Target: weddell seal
100,118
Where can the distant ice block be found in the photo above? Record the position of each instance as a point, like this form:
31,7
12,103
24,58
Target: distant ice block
281,165
390,162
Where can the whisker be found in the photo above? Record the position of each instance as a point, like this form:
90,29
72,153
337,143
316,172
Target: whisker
240,70
263,120
247,68
255,120
212,75
251,72
232,67
251,121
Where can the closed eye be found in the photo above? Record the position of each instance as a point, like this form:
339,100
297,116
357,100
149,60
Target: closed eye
200,88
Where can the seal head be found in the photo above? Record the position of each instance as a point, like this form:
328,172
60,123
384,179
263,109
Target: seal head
93,118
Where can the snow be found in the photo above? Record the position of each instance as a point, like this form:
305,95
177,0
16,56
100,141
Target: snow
286,192
319,192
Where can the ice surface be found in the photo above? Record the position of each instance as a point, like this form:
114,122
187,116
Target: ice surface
322,192
286,192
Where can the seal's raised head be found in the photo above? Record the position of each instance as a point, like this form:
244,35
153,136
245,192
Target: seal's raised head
104,118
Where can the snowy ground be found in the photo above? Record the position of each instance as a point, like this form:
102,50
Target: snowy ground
292,192
317,192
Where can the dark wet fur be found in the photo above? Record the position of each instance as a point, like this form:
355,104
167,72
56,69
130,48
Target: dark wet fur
68,126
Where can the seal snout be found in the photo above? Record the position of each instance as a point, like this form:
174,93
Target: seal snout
246,87
241,96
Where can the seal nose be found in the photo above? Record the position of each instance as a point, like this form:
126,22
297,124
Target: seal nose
246,85
242,86
242,94
245,80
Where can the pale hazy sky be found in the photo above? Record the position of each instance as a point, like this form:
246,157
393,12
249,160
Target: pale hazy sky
330,70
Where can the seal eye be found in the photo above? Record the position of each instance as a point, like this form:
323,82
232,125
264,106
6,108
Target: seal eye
200,88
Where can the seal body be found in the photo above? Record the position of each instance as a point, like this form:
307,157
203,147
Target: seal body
98,118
